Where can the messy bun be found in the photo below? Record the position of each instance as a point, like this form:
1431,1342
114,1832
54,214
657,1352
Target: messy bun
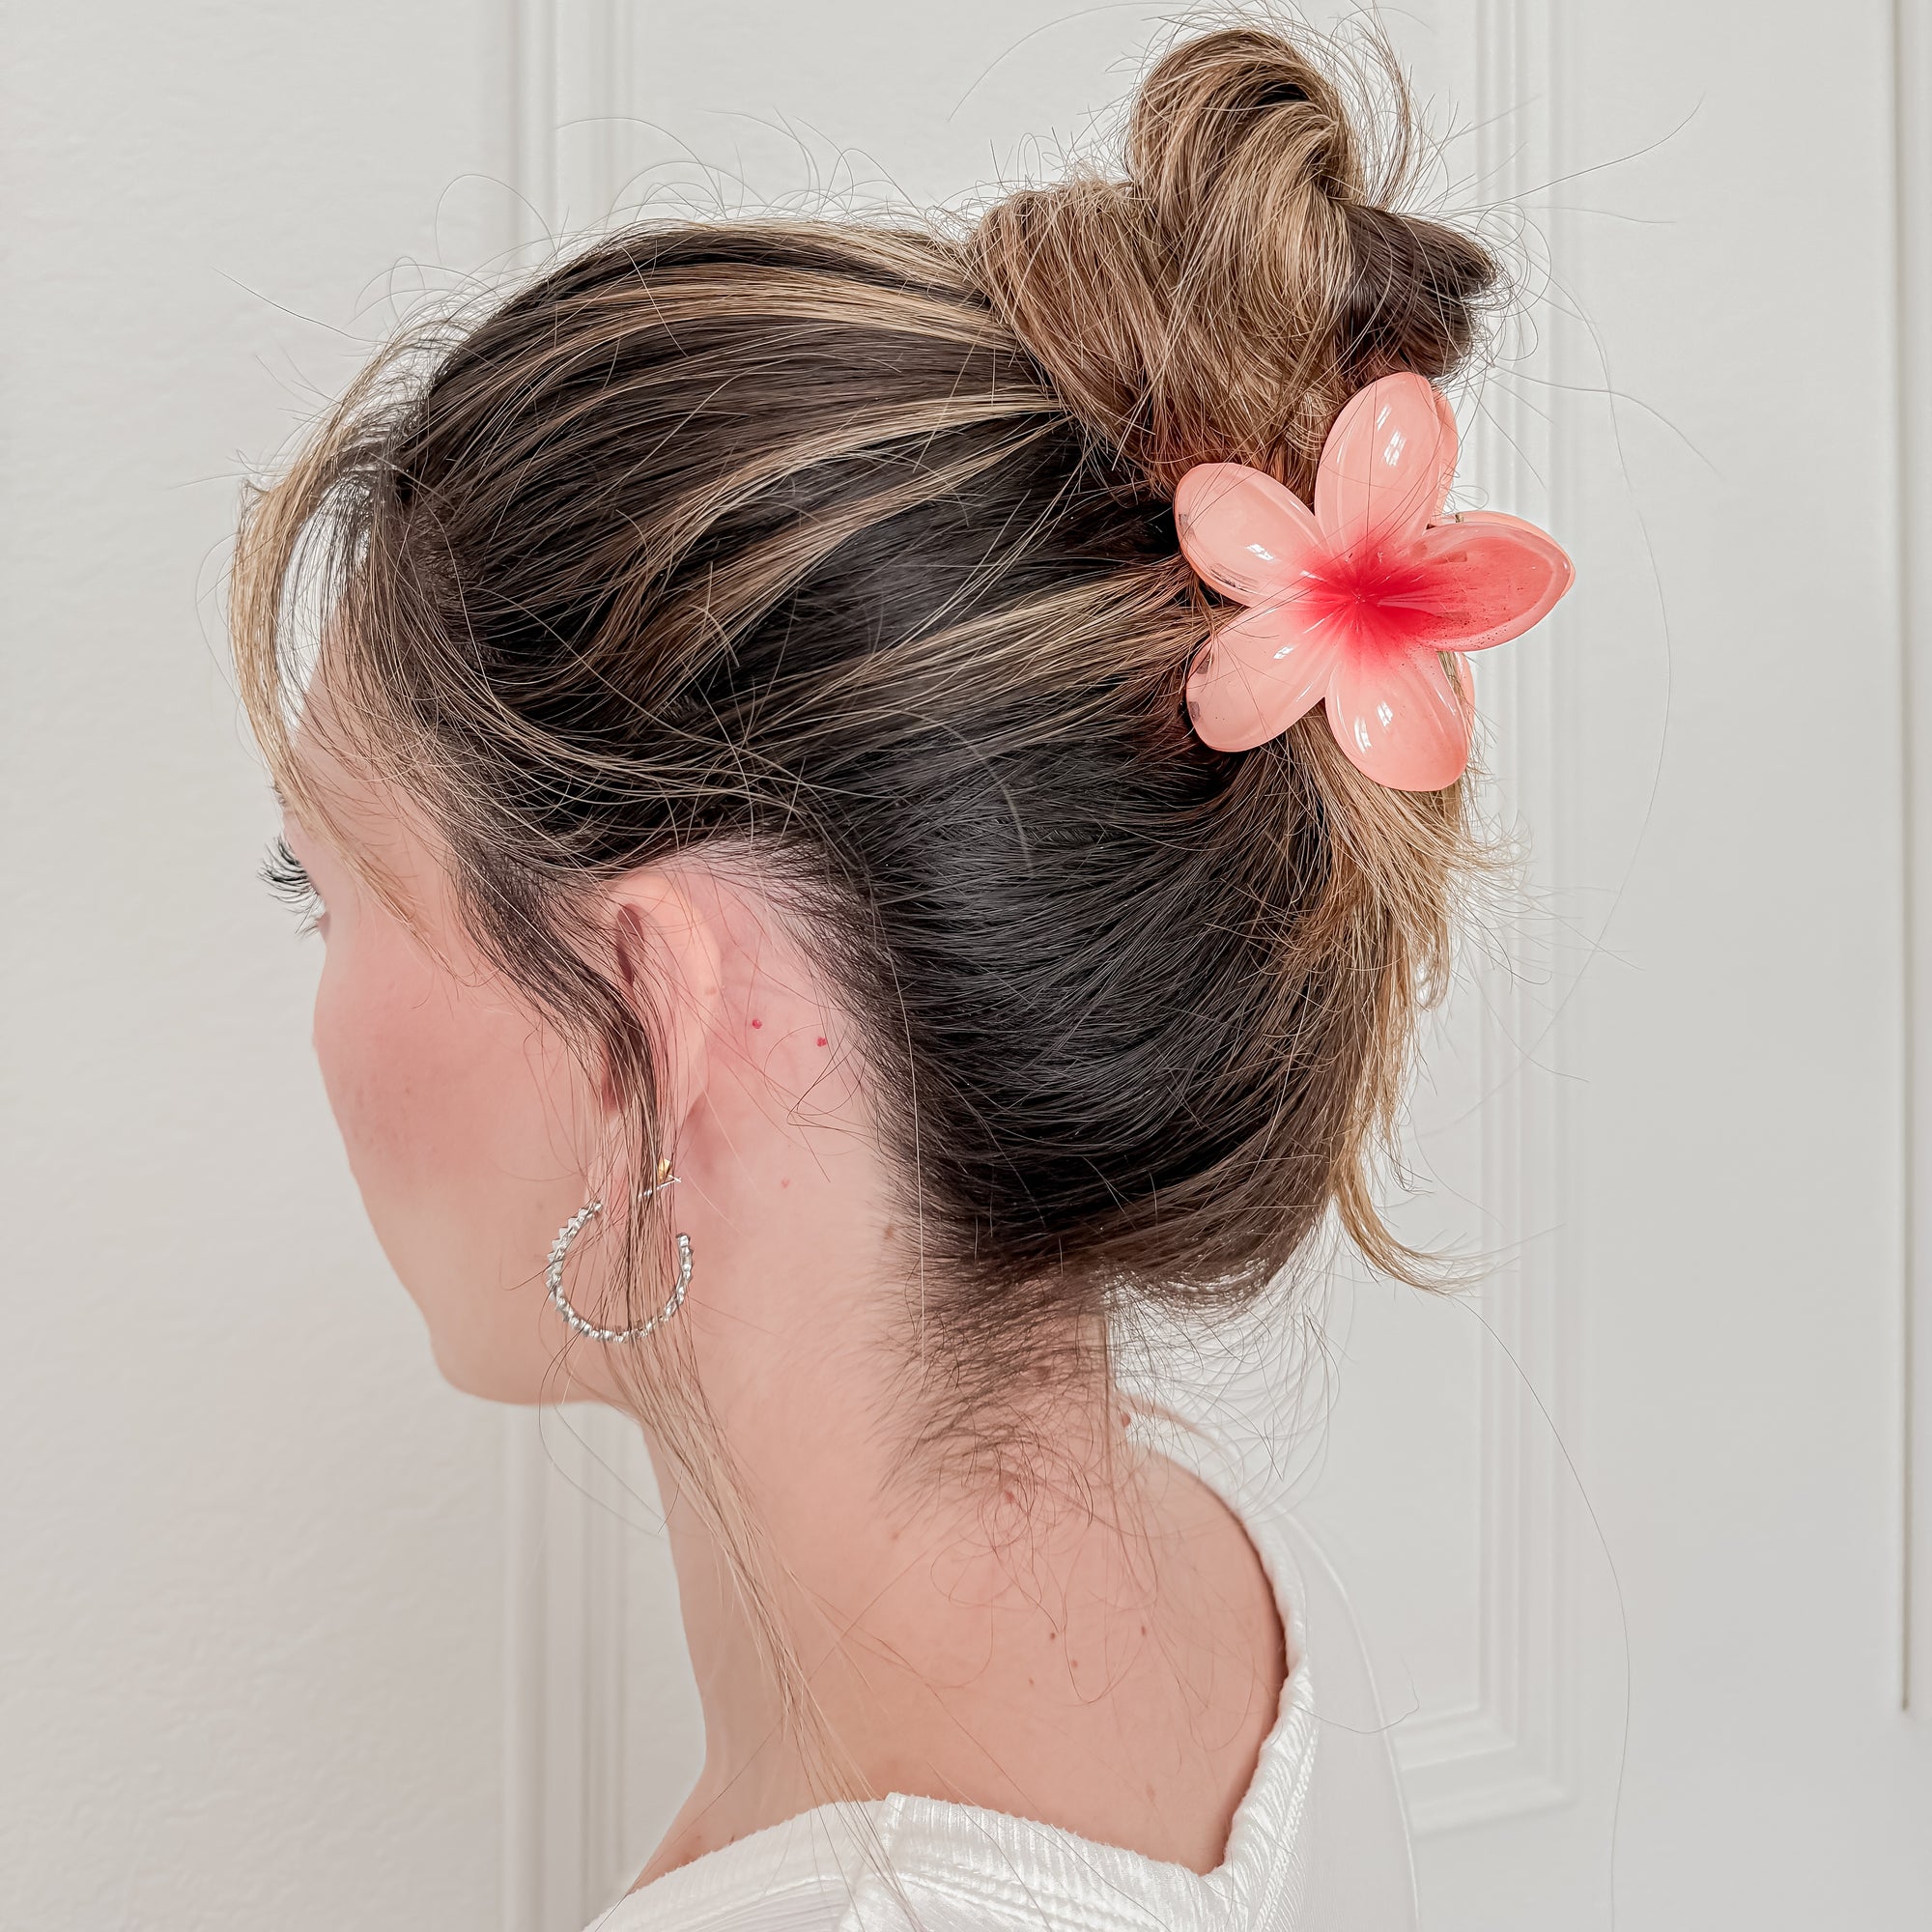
848,550
1223,300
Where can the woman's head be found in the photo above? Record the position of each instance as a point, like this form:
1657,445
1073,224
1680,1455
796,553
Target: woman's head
809,594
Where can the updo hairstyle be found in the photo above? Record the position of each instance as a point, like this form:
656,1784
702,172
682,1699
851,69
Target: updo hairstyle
845,551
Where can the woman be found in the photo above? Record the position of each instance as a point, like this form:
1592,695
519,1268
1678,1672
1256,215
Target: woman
833,910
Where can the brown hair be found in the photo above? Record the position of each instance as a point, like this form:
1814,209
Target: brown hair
849,547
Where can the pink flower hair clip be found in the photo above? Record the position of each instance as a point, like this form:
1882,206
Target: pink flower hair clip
1354,603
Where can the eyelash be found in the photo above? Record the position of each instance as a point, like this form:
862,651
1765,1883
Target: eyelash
283,874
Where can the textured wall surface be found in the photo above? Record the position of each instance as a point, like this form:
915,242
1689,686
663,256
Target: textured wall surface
249,1618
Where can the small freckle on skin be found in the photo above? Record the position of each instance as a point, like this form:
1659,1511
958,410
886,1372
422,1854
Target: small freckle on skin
1053,1636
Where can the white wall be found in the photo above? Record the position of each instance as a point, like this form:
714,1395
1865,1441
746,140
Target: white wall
249,1546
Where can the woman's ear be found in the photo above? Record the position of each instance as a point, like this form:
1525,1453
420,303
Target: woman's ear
665,947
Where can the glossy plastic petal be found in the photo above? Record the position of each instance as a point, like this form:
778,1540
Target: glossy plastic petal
1487,579
1386,467
1399,719
1246,534
1260,673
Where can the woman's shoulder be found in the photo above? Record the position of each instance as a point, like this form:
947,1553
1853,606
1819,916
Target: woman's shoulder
796,1876
1359,1869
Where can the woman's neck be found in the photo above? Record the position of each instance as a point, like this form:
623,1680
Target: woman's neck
1020,1639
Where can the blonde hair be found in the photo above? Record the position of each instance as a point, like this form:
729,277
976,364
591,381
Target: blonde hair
850,547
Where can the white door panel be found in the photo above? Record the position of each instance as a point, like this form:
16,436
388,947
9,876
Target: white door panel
1651,1469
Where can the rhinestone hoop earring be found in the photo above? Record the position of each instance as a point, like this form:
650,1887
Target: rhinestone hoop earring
561,1248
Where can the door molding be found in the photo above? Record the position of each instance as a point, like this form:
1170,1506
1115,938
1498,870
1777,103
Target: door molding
572,67
1912,68
1509,1751
576,1486
571,1477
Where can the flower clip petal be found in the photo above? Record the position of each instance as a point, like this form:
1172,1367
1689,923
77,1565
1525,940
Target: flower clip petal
1494,577
1386,467
1400,720
1260,673
1248,536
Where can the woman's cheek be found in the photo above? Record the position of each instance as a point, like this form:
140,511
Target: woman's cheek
459,1114
376,1027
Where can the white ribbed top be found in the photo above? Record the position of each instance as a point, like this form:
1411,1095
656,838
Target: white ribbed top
1305,1853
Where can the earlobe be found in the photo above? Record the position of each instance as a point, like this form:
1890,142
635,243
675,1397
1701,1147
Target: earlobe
668,963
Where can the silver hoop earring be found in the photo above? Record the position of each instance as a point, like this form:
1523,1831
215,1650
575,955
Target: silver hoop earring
561,1248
